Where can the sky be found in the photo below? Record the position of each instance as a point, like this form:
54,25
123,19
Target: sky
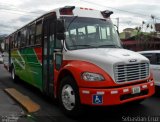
130,13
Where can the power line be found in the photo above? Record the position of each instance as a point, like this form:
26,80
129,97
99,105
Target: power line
14,8
12,12
6,3
10,7
21,11
120,9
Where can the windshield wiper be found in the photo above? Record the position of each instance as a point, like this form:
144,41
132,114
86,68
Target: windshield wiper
85,45
91,46
111,45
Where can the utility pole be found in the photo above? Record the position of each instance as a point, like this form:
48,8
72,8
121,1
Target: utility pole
117,23
154,21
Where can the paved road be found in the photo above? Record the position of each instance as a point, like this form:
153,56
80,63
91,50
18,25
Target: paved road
49,112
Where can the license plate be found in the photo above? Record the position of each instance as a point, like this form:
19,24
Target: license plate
136,90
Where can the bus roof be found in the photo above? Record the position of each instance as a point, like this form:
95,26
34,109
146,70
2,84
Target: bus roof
76,11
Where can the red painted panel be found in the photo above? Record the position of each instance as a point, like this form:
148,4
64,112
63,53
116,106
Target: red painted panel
38,51
114,99
77,67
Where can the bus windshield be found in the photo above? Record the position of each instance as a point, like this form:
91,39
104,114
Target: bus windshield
82,33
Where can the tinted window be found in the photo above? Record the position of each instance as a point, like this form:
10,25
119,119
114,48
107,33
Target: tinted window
15,40
151,57
27,34
6,48
158,58
38,33
18,39
23,37
12,41
32,34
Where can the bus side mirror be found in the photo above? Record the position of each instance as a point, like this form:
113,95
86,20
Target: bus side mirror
60,29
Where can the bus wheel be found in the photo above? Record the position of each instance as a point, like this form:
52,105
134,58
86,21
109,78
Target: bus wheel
69,97
14,76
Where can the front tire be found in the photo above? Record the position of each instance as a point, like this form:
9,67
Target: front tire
69,97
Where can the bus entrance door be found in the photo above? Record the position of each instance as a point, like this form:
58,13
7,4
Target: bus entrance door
48,58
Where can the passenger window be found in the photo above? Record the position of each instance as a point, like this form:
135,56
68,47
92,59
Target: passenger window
19,39
23,37
151,57
103,30
105,33
158,58
73,35
51,38
6,46
12,41
91,29
27,36
81,33
108,32
38,33
91,33
32,34
73,32
15,40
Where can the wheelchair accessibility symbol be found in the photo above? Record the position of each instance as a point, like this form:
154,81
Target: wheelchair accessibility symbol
97,99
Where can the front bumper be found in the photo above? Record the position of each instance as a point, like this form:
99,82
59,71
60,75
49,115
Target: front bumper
115,96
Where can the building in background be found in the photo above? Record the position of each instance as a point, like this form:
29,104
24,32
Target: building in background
135,40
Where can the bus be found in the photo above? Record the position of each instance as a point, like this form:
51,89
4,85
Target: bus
75,55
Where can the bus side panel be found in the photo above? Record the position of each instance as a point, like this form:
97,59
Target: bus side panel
37,51
28,65
18,62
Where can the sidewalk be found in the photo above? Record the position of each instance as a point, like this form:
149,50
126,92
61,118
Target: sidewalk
12,110
9,109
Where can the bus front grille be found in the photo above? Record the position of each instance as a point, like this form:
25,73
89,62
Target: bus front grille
131,72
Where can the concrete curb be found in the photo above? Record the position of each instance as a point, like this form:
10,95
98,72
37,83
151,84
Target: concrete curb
23,100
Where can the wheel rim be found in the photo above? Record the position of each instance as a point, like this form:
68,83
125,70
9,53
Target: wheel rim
13,74
68,97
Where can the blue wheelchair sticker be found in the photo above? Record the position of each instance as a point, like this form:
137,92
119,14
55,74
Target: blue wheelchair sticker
97,99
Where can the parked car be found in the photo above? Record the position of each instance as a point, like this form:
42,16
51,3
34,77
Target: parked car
154,57
1,59
6,60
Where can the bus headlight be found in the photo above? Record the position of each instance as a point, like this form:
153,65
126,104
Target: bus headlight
88,76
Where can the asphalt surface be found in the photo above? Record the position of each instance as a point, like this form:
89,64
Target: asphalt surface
148,110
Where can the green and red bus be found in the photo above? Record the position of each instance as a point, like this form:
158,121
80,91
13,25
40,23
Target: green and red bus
75,54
